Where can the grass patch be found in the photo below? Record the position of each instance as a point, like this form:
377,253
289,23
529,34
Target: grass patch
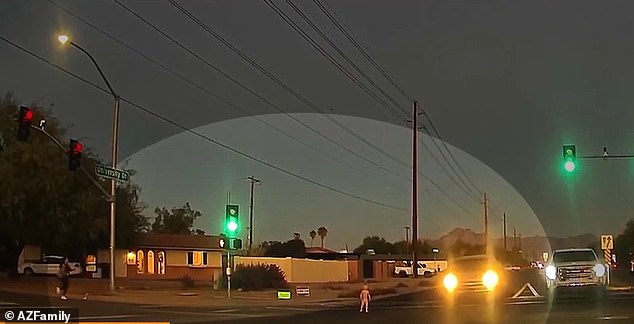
374,292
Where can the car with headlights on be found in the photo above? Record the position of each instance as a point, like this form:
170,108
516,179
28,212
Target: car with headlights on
476,274
574,269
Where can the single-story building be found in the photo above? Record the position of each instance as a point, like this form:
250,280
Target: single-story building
171,256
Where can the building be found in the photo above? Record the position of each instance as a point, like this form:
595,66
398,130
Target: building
170,256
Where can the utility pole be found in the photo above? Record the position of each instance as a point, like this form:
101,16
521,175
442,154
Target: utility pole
520,240
514,239
253,181
486,224
414,188
406,239
505,232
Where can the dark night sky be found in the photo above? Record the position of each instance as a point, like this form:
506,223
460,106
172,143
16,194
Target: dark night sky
506,82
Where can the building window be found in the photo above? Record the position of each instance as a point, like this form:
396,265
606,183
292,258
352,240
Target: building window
140,262
131,259
150,262
197,259
161,263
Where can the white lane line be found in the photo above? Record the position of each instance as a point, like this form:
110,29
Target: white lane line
291,308
208,314
2,303
83,318
225,311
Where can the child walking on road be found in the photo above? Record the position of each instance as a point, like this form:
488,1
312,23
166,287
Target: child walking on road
365,298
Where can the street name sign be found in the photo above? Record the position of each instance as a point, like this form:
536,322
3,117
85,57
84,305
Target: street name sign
111,173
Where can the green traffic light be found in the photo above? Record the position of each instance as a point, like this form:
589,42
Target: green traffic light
569,166
232,226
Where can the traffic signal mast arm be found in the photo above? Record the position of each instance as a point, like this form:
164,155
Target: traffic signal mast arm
95,182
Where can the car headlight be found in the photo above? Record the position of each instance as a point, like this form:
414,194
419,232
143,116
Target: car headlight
490,279
450,282
599,270
551,272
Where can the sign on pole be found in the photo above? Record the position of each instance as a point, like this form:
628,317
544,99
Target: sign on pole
607,242
111,173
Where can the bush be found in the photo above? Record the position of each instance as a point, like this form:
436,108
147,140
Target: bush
188,282
258,277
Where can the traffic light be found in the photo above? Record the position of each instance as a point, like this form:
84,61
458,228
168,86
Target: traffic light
231,219
74,155
24,123
570,157
235,244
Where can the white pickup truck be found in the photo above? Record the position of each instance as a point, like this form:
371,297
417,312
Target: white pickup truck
404,269
575,269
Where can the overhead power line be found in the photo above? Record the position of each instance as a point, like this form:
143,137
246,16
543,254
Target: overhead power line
207,91
263,99
361,49
323,52
196,133
331,16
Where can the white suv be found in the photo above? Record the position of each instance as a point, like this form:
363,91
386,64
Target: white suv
573,269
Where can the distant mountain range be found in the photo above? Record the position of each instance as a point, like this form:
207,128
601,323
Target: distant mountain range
532,247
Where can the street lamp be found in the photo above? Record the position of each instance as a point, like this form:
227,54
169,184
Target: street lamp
64,39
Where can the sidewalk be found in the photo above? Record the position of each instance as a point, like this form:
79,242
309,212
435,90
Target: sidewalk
171,293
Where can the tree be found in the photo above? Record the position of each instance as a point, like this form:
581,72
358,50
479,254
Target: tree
624,244
43,203
312,235
322,232
378,244
175,221
292,248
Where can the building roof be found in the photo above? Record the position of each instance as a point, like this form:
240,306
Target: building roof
179,241
318,249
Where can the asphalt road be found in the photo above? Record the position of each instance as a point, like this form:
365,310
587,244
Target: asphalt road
426,306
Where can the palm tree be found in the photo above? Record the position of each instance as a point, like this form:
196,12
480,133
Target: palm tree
312,234
322,232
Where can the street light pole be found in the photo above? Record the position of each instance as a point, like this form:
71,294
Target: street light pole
115,150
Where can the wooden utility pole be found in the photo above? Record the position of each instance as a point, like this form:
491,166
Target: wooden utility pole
505,232
253,181
414,188
486,224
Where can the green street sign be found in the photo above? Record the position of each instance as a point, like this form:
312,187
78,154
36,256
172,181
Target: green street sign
111,173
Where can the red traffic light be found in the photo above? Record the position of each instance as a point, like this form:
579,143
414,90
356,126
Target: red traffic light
76,147
26,114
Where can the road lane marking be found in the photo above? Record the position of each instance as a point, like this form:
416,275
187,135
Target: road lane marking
530,288
291,308
83,318
8,304
225,311
608,317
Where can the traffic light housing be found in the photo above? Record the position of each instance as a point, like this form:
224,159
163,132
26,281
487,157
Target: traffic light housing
235,244
25,118
74,155
231,219
570,157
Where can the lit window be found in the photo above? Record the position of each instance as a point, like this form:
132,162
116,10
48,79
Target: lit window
197,258
131,259
140,262
150,262
161,263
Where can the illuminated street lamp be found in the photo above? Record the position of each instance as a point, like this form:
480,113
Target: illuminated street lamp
65,39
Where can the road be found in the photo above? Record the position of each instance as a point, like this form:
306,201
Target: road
425,306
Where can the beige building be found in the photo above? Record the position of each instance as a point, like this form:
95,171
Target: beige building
169,256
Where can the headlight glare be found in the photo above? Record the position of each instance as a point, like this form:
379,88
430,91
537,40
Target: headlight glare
490,279
599,270
551,272
450,282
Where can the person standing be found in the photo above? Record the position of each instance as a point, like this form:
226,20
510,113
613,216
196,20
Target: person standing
365,298
62,274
